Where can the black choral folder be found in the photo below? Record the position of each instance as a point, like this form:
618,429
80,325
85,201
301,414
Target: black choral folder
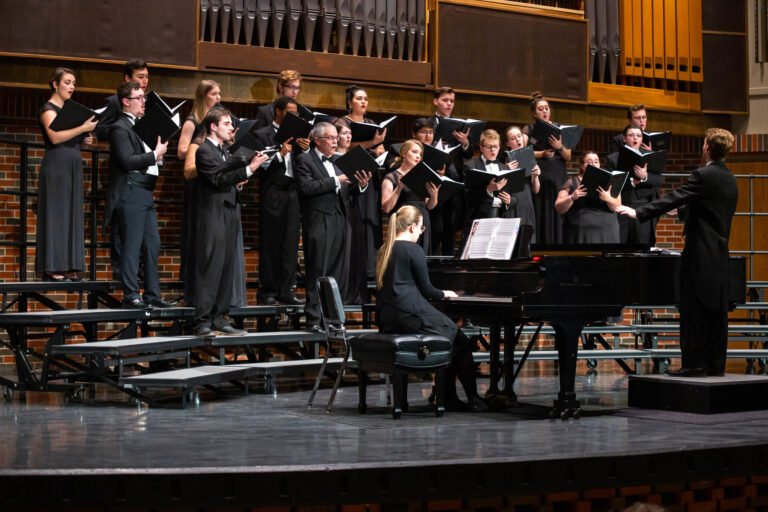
156,122
447,125
630,157
571,134
292,126
362,132
523,156
417,178
596,177
72,115
356,159
479,178
657,140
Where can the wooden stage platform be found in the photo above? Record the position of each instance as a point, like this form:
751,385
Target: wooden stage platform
268,452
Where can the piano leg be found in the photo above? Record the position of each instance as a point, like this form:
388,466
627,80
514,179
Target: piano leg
567,332
510,344
495,370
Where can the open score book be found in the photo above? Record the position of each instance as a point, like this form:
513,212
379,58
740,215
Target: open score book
492,239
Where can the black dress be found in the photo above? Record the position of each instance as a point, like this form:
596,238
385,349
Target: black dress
60,230
589,221
407,196
402,303
549,223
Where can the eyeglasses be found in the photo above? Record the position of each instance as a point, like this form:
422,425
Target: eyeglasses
329,137
140,98
486,146
296,88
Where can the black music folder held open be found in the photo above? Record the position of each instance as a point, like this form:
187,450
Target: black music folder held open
571,134
417,178
313,117
523,156
479,178
436,158
657,140
596,177
72,115
156,122
154,99
292,126
362,132
447,125
630,157
357,159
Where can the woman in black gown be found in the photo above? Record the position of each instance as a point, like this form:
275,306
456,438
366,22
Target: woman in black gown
403,307
60,231
551,156
588,220
394,193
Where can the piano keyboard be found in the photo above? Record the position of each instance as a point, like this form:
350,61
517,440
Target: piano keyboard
495,300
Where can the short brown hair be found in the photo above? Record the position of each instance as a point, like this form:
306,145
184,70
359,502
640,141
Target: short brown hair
719,142
634,108
443,90
286,75
214,116
57,75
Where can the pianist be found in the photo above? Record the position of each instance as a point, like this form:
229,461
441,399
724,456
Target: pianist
706,203
402,306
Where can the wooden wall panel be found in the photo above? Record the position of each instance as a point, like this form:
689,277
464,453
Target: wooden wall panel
159,32
469,40
725,89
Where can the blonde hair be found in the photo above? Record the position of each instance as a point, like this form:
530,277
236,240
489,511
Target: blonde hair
407,145
398,223
719,142
199,110
489,135
286,75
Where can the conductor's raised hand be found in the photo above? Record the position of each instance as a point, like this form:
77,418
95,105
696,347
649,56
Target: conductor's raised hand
627,211
449,294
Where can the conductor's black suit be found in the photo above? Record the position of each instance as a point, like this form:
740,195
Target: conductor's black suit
218,225
709,200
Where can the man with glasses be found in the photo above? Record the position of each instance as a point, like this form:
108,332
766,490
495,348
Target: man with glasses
134,70
326,194
490,201
637,118
288,84
133,173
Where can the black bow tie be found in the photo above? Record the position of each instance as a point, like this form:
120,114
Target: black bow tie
489,162
327,159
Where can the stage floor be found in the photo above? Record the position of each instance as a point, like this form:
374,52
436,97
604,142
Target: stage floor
275,434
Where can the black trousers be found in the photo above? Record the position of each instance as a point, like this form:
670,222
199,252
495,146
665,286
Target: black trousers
279,242
324,236
137,220
703,331
215,261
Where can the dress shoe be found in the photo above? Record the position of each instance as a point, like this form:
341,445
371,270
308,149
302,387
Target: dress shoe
315,328
162,303
74,277
291,301
203,330
477,404
228,330
687,372
268,301
55,278
135,304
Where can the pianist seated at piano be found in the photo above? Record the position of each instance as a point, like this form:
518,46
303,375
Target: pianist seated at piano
587,220
403,307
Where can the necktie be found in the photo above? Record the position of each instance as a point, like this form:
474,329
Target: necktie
222,152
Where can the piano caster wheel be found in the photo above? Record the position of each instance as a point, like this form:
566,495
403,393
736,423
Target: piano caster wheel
591,363
8,393
577,414
75,396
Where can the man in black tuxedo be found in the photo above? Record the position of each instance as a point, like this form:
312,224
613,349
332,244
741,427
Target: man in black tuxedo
134,70
637,117
706,203
218,223
453,209
490,201
288,84
325,193
133,172
280,215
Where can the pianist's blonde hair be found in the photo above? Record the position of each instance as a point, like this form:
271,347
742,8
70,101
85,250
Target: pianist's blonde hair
398,223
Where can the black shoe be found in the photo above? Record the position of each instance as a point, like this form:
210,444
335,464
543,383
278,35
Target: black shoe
228,330
74,277
477,404
453,404
291,301
162,303
687,372
315,328
268,301
202,331
135,304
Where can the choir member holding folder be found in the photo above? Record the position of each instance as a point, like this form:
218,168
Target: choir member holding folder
589,218
60,230
357,108
488,182
520,155
288,84
642,188
394,193
551,155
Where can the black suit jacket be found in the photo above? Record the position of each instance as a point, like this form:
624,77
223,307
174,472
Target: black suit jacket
126,154
479,203
710,196
216,183
265,115
275,172
111,114
458,156
317,189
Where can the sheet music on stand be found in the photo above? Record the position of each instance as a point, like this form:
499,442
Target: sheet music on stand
492,239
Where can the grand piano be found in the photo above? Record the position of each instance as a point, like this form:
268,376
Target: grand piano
578,286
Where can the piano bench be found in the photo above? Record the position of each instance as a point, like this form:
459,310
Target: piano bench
398,355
